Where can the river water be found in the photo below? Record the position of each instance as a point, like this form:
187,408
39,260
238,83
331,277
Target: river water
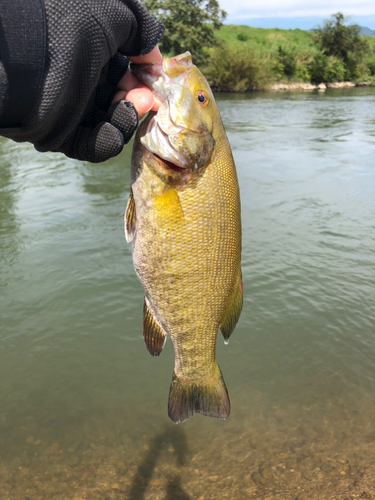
83,407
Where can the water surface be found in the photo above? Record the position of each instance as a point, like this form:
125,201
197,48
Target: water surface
83,407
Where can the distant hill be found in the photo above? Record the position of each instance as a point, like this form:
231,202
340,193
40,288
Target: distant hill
367,32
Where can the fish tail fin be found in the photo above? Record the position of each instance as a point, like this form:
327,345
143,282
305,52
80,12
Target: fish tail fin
188,396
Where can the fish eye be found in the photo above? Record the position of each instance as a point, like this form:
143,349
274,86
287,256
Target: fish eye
202,98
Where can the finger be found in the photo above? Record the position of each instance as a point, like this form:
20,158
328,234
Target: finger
119,96
94,145
157,104
104,95
129,81
118,65
142,99
153,57
122,94
123,116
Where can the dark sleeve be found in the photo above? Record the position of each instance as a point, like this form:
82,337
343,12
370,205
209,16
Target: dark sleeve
22,58
53,94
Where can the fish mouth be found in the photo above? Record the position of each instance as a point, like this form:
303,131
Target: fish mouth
156,141
169,164
177,147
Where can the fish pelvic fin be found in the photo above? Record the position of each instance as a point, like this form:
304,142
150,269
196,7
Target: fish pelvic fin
233,312
207,396
153,333
130,219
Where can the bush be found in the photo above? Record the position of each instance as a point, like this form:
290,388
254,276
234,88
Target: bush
292,61
370,64
326,69
302,72
287,57
239,69
242,37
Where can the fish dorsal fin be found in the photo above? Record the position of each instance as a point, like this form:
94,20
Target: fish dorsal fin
153,332
233,312
130,219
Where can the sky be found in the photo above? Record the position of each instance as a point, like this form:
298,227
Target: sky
290,14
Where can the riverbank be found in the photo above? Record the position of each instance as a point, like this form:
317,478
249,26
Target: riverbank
320,87
296,86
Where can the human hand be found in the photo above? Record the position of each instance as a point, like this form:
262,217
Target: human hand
85,47
134,91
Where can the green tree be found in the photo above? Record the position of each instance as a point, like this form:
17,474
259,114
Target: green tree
342,41
189,25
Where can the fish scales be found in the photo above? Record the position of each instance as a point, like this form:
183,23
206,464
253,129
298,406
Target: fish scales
186,253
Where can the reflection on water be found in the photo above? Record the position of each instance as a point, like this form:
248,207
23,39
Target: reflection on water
82,404
8,221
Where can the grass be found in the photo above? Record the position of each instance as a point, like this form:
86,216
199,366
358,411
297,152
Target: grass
265,38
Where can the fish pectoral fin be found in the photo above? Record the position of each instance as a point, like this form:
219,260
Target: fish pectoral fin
130,219
233,312
153,332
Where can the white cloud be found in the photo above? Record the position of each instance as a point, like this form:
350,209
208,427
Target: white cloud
238,9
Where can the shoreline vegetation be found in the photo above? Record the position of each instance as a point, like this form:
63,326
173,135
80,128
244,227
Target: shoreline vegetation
291,86
250,59
239,58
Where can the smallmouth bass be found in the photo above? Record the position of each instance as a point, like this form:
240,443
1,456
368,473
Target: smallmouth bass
183,219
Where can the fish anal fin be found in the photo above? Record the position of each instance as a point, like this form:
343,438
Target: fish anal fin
208,396
233,312
153,333
130,219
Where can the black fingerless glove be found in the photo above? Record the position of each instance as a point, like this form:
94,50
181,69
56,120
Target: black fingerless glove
72,91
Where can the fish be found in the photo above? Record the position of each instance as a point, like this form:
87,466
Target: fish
183,219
